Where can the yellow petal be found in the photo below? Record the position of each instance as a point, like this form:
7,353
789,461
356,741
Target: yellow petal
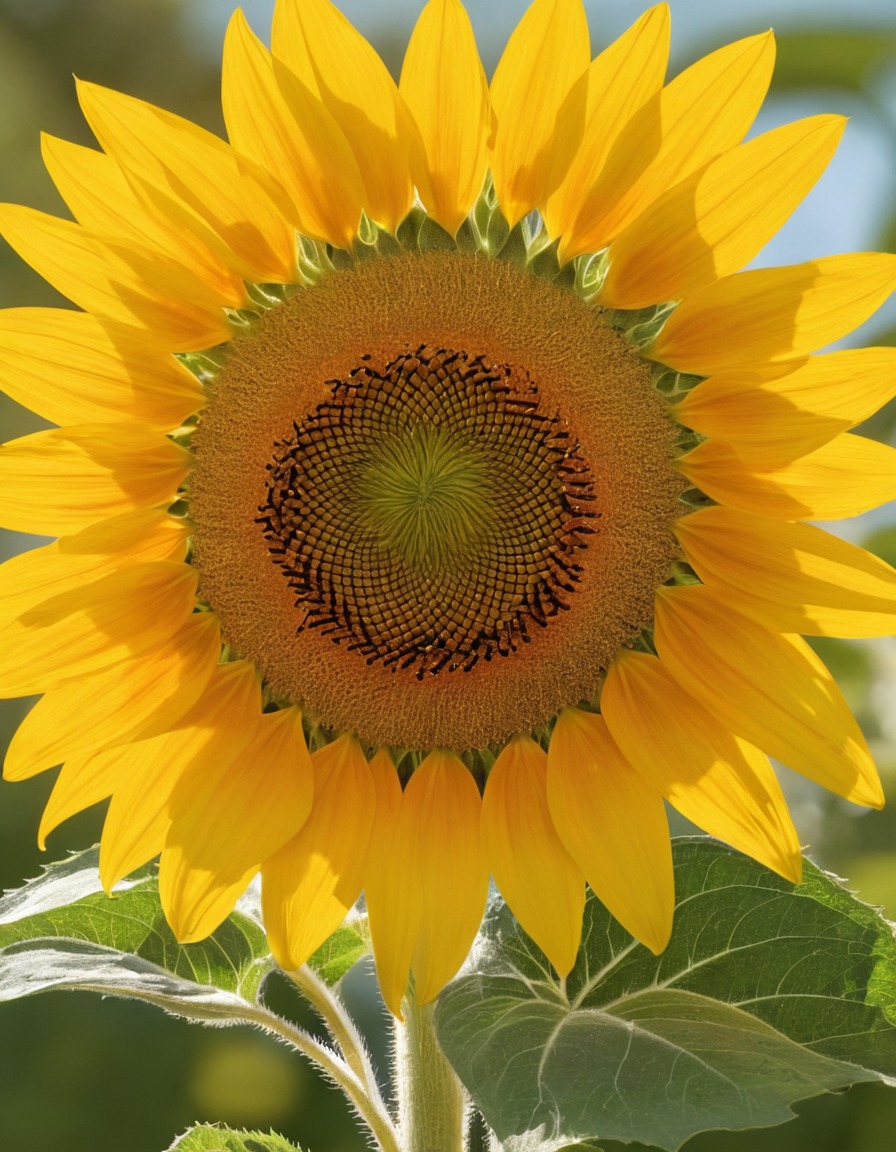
792,577
311,883
714,222
774,313
145,764
316,42
531,866
620,81
118,704
64,479
233,196
539,119
100,198
718,781
391,888
613,824
140,536
128,284
69,368
80,631
133,832
77,787
440,816
444,87
227,817
768,688
134,538
275,120
702,113
783,411
849,476
213,734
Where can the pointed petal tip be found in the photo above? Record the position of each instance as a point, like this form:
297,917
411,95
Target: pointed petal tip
393,1002
868,793
660,942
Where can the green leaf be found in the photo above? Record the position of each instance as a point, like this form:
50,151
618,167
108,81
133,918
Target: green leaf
836,58
882,543
216,1138
341,951
767,994
850,662
62,931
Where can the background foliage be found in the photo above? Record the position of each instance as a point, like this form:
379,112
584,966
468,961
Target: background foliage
80,1073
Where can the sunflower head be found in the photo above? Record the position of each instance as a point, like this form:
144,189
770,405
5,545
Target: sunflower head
434,544
431,483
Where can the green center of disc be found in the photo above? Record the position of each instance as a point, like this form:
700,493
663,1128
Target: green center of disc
425,494
429,513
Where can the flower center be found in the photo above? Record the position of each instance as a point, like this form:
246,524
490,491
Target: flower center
432,500
427,514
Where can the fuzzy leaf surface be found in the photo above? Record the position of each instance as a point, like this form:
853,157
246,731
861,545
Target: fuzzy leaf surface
767,994
62,931
341,951
216,1138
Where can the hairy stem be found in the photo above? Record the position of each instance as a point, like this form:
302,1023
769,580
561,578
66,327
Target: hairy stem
430,1096
339,1024
369,1107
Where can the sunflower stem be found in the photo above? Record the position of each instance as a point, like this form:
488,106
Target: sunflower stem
370,1108
430,1096
340,1026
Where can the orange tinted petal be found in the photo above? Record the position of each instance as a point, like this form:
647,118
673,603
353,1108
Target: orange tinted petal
613,824
227,817
440,815
391,887
311,883
531,866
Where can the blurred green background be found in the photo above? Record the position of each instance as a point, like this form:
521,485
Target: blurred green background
104,1076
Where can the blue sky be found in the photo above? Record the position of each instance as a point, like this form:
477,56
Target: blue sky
493,19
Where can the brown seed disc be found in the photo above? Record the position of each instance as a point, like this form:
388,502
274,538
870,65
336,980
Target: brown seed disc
433,498
428,515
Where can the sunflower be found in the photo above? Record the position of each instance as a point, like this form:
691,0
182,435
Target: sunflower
431,485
